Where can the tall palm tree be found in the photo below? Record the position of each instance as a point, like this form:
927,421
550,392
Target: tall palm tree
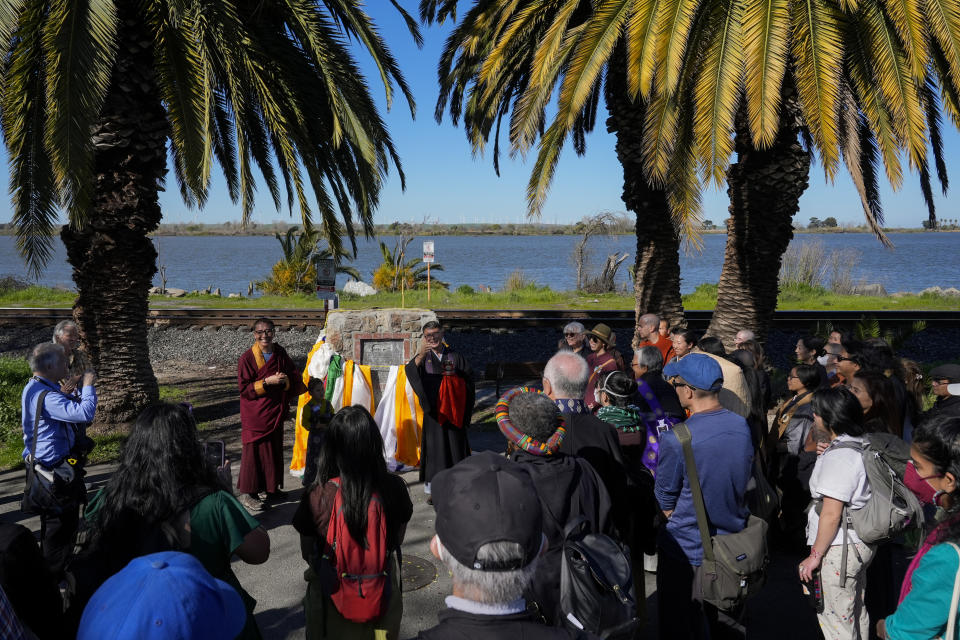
848,78
507,58
93,91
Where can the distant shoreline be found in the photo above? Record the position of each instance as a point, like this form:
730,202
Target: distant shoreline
441,230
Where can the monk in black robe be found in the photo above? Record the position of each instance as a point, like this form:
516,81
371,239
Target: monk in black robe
443,382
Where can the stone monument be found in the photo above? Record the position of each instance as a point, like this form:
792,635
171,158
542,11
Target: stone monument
378,337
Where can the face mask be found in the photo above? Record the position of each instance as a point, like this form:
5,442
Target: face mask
596,396
823,360
920,486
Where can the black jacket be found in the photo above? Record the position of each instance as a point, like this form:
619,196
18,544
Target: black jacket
597,442
567,487
460,625
949,406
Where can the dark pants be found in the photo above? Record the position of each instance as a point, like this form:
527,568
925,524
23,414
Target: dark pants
59,535
680,612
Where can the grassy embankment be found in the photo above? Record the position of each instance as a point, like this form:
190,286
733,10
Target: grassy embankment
530,297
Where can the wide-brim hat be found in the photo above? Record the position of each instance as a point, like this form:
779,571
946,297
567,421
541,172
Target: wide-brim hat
601,332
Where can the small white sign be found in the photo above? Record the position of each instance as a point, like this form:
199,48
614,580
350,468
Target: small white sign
428,251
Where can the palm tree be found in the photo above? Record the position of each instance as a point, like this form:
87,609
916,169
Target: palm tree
302,254
397,271
856,81
95,89
506,58
848,78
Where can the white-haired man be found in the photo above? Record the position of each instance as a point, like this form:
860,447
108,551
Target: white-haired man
564,382
573,339
51,437
489,536
67,335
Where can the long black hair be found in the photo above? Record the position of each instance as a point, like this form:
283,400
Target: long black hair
162,471
353,451
840,411
882,416
938,440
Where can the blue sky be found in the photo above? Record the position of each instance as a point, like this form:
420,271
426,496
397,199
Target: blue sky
446,183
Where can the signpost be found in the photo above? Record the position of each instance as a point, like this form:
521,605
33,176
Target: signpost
327,283
428,260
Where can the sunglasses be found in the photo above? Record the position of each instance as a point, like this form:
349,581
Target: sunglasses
268,332
843,359
571,335
677,385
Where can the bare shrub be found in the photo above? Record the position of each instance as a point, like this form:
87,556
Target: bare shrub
518,280
804,265
841,270
606,281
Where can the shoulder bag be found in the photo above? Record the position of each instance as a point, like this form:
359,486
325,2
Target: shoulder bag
734,564
40,494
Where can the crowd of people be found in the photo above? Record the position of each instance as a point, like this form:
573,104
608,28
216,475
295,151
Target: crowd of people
652,454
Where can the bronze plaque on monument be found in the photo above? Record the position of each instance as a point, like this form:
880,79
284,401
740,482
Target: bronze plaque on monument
381,351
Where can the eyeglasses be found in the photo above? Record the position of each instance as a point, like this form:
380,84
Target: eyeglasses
264,332
793,377
571,335
844,359
432,336
677,385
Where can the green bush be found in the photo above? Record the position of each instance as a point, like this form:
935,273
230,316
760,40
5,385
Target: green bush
14,374
465,290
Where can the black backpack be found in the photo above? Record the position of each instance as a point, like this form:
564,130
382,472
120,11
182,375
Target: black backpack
596,583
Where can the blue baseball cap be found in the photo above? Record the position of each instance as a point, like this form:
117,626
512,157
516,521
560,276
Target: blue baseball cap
698,370
163,596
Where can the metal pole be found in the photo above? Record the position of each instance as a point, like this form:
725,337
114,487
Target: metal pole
428,282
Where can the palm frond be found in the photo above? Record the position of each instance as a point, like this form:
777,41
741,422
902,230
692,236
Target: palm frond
641,42
818,52
674,21
717,91
943,21
907,17
766,31
78,40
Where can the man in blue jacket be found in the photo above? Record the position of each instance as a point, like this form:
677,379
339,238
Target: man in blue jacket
723,453
57,443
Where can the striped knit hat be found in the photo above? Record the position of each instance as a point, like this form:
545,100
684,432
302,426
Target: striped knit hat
518,437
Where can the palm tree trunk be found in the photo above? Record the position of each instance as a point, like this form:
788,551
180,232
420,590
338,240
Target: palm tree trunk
656,280
113,259
765,188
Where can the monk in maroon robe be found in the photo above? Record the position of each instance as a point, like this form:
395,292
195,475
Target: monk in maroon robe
268,382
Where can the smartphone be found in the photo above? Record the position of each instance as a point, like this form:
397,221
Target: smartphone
214,453
814,591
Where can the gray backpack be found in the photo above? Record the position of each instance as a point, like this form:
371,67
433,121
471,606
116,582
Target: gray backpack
892,508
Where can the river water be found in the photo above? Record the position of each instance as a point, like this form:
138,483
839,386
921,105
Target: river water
918,261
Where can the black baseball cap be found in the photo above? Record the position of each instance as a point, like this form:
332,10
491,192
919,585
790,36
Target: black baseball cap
482,499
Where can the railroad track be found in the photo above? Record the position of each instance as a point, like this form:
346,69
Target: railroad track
487,318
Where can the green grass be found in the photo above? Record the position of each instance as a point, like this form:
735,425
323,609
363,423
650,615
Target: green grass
529,297
170,393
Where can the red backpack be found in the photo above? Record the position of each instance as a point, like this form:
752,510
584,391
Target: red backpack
361,590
